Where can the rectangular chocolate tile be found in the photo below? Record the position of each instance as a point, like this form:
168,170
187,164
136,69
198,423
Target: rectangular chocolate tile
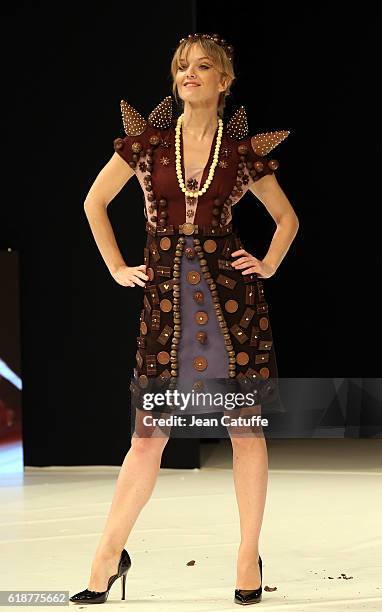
154,250
255,334
141,342
165,231
262,358
224,264
151,365
166,285
226,281
250,295
163,271
239,334
249,278
265,345
261,308
227,249
260,291
165,335
155,320
246,318
153,292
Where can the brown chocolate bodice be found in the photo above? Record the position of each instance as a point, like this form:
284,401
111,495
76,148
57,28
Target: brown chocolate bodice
152,156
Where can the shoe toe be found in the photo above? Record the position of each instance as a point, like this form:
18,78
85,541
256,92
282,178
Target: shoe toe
84,595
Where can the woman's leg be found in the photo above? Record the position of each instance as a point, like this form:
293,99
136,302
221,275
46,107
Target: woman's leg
250,472
135,483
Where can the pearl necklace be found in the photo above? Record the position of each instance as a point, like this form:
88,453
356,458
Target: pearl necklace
195,194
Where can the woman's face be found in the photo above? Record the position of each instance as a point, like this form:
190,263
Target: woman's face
198,69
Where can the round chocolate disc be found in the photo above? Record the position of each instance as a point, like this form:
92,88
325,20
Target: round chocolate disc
201,317
165,305
150,273
264,323
209,246
200,363
242,358
163,357
193,277
231,306
264,372
143,328
165,243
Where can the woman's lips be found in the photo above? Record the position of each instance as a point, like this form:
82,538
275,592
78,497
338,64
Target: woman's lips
191,85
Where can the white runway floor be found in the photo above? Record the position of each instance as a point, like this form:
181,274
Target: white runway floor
323,517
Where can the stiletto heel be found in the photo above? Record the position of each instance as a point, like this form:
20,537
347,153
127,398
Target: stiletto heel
245,597
87,596
123,585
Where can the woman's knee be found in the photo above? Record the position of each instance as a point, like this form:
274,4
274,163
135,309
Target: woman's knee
247,441
154,445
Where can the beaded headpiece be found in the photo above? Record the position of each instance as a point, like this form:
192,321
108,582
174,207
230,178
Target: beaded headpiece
215,38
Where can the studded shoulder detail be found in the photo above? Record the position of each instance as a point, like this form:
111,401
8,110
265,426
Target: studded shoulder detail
263,144
134,124
237,127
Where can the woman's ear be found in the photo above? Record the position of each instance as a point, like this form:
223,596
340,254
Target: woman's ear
225,82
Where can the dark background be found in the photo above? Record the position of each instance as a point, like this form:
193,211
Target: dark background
65,71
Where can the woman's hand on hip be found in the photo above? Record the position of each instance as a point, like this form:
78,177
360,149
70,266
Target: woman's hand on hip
250,264
129,276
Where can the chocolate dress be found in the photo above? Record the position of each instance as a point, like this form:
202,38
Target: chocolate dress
202,322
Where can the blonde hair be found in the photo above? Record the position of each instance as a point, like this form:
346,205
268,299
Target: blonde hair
219,59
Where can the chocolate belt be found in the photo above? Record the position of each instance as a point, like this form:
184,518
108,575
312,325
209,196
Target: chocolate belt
188,229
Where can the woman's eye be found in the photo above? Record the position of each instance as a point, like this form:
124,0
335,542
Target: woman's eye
184,67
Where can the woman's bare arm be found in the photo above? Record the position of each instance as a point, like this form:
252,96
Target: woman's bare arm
109,182
269,192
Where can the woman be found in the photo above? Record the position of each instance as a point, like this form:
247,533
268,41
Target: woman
192,171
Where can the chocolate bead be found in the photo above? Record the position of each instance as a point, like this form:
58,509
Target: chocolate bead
242,149
189,253
201,337
154,140
136,147
119,144
198,297
273,164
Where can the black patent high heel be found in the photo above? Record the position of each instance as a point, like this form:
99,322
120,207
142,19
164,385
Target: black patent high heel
87,596
251,597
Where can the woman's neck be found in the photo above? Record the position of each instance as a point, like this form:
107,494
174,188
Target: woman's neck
199,123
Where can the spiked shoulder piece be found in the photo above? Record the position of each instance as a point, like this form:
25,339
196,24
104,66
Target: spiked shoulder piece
134,124
142,133
253,148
